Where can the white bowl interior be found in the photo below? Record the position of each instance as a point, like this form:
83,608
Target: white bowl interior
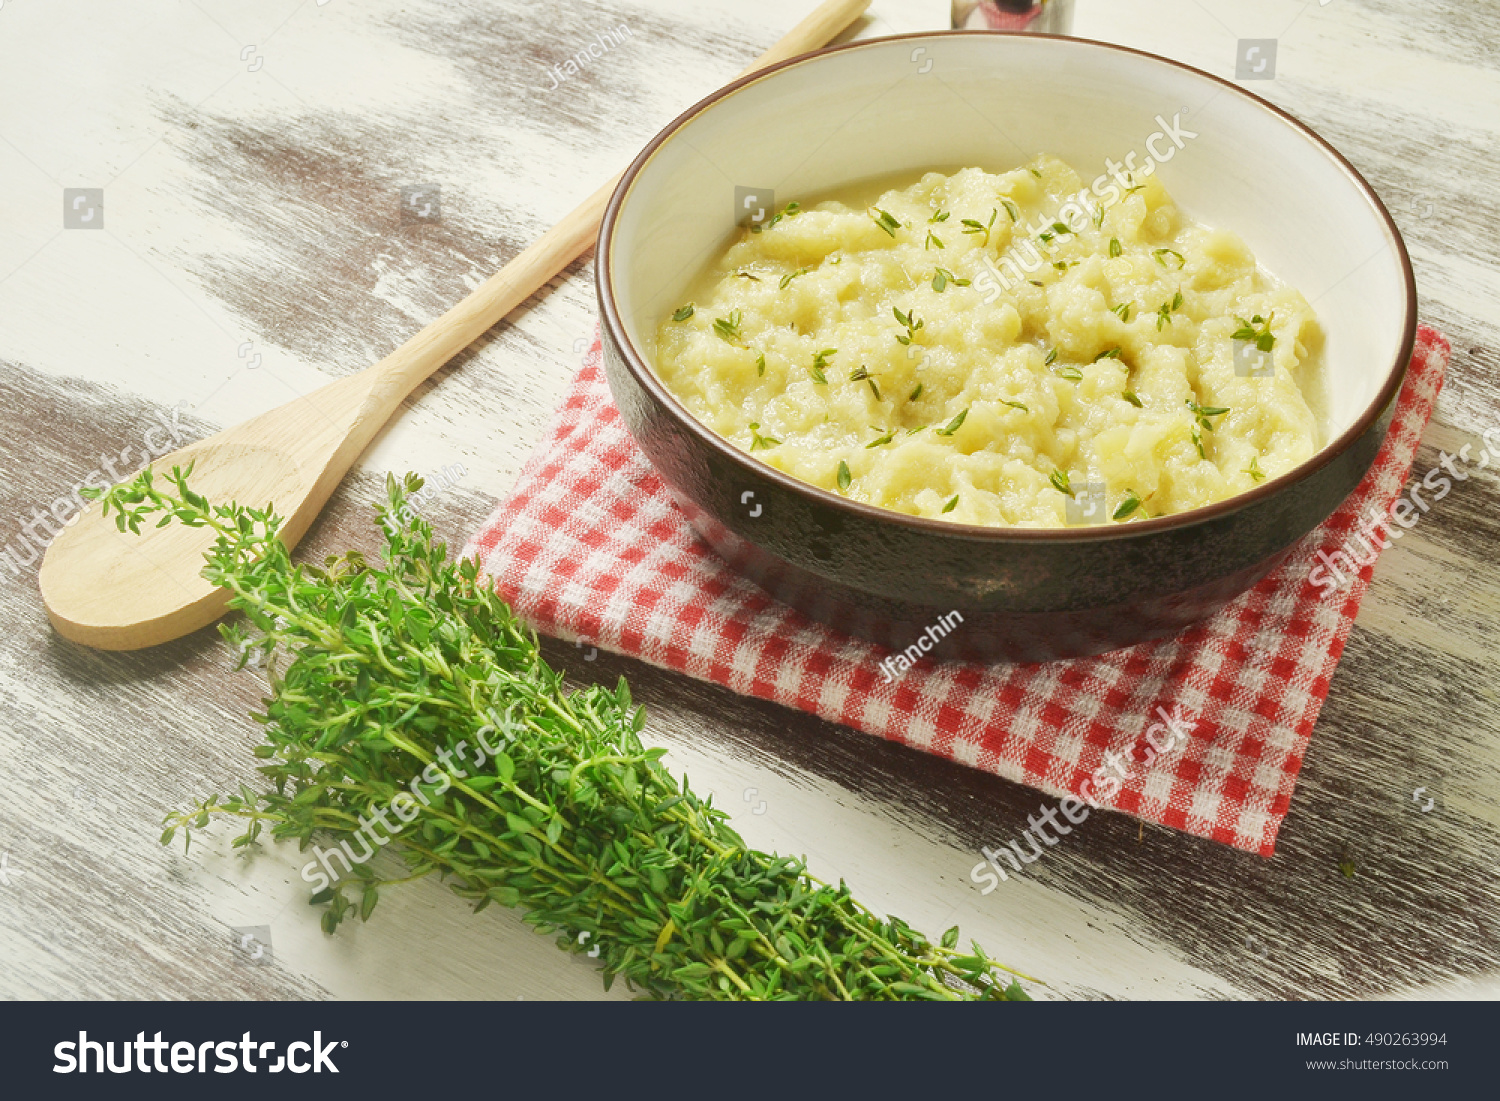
909,105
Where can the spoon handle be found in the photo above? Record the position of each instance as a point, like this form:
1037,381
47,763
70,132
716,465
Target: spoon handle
530,270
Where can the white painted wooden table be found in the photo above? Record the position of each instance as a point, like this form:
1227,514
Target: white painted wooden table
252,156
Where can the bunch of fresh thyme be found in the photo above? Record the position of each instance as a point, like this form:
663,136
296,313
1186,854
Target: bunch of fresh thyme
391,668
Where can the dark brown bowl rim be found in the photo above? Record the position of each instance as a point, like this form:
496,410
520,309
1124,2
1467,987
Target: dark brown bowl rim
648,380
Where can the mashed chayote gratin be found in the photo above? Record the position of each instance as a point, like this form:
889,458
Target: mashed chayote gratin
1002,349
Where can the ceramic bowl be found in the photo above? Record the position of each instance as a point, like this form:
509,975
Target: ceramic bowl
913,103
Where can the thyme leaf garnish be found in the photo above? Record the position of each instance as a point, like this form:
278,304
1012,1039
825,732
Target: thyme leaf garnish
972,226
1130,503
887,221
953,425
1201,413
1257,329
759,442
942,277
910,320
1167,309
820,360
728,328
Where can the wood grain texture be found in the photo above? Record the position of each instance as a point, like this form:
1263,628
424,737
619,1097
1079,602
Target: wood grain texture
264,207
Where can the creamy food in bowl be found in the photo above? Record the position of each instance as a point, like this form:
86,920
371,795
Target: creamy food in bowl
882,430
1002,348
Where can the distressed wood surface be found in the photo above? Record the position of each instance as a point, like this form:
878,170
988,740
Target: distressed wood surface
252,158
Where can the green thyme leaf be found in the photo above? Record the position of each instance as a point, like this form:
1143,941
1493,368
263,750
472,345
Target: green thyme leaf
728,328
1014,405
886,221
1114,247
1258,330
1011,209
942,277
1201,413
820,361
1130,503
1161,254
1061,482
684,313
972,226
1110,353
1129,395
952,503
844,477
953,425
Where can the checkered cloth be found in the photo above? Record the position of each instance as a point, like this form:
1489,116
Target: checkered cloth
591,547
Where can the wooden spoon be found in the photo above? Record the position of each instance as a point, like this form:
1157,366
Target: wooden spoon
125,592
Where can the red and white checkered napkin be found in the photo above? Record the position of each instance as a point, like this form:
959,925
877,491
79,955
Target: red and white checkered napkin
590,546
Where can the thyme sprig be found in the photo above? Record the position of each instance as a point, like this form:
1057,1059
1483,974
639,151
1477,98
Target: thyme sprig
728,328
885,220
972,225
384,669
1202,413
911,322
759,442
1257,330
862,374
791,210
1165,311
941,277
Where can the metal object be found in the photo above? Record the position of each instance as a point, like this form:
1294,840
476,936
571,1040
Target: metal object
1041,16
